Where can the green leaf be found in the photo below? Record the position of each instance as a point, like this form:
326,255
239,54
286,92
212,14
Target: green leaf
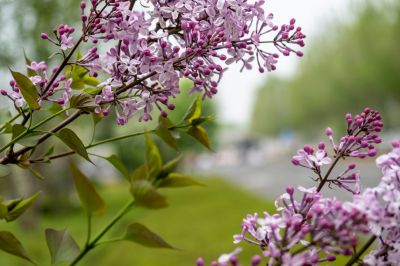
96,118
10,244
116,162
175,180
8,128
29,140
91,81
88,195
140,234
93,91
18,207
28,89
36,173
28,62
163,132
202,119
194,110
63,248
169,167
82,101
17,130
70,139
153,158
3,209
199,133
80,77
140,173
146,195
49,152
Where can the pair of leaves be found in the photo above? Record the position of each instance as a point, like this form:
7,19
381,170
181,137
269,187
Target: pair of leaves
15,208
194,118
63,248
152,175
90,199
27,88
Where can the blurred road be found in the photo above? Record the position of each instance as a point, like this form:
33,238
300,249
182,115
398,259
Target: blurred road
270,179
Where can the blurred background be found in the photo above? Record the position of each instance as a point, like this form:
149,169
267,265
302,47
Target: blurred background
351,61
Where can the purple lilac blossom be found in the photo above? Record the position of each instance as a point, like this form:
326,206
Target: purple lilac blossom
153,48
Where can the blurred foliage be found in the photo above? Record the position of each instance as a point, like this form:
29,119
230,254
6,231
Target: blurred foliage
350,66
22,22
185,224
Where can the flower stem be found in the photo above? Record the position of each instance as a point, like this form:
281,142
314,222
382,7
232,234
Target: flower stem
26,132
357,256
92,244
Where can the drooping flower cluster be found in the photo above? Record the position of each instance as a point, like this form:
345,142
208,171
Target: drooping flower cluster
381,205
306,232
167,40
358,142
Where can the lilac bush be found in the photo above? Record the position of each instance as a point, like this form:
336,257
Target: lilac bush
311,229
150,46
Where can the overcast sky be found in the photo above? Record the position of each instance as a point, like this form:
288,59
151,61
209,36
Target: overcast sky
237,90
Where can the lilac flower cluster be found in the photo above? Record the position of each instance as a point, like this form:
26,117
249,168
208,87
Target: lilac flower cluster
153,48
312,229
359,142
59,91
381,205
306,232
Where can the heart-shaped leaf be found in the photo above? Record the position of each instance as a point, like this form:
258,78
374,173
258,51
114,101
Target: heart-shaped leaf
28,89
199,133
10,244
140,234
62,246
70,139
88,195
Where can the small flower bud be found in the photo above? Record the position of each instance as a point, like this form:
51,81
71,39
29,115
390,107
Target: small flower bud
256,260
200,262
44,36
352,166
3,92
396,144
290,190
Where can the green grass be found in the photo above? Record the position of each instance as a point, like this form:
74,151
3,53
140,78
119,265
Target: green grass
199,222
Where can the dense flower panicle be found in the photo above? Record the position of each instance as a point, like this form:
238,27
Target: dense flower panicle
358,142
152,49
307,232
381,204
361,135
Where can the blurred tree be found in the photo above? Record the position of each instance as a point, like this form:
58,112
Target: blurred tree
22,22
349,67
